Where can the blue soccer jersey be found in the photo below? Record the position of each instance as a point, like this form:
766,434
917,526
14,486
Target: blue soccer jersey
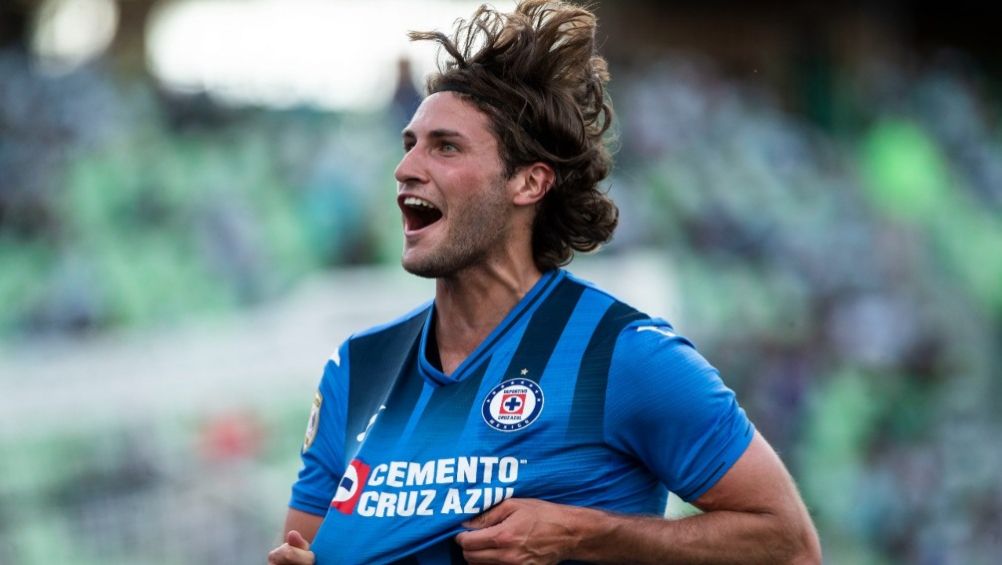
575,398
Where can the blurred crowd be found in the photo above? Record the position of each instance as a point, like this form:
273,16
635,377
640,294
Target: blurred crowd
844,274
848,279
123,205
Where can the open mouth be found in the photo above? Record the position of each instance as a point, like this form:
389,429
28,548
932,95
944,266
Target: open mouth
418,213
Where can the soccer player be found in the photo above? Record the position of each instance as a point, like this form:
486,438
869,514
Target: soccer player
524,415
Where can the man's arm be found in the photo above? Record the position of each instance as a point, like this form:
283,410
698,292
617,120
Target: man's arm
752,515
303,522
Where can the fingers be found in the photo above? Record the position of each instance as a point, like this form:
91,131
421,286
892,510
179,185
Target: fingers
490,529
288,555
488,557
296,539
484,546
518,531
495,515
492,546
478,540
484,534
295,551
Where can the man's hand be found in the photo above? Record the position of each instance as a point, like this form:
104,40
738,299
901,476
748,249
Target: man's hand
521,531
752,515
295,551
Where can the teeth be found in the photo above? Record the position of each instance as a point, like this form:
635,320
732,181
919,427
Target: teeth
415,201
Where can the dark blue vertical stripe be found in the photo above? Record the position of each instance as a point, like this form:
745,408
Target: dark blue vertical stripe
588,410
376,362
400,404
543,332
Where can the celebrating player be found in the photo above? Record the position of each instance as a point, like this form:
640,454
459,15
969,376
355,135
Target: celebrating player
524,415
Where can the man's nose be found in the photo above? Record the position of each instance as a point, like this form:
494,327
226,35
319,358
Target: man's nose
410,169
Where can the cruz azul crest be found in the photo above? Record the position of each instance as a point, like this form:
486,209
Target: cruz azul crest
513,405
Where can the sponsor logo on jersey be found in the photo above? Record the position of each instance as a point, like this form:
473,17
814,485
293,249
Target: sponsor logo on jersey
350,488
513,405
314,422
452,485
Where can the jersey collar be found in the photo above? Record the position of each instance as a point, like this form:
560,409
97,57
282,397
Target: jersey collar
528,304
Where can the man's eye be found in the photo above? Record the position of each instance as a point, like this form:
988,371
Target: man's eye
449,148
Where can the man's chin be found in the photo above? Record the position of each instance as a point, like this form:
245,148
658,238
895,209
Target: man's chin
423,273
424,269
437,266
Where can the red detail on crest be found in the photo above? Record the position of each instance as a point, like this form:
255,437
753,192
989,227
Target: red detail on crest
362,473
512,403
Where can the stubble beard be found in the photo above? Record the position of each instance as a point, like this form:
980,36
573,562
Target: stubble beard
475,234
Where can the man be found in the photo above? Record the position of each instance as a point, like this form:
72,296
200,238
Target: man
525,416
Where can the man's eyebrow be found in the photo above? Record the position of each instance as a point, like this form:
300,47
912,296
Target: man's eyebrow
434,134
440,133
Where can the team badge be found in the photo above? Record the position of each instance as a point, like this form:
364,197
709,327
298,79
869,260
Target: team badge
513,405
314,422
350,487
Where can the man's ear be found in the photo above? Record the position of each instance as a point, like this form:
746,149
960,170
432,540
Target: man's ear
534,182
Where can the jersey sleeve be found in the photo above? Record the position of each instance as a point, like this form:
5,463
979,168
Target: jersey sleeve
322,452
668,407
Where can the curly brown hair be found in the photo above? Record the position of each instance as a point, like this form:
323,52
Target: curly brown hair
538,77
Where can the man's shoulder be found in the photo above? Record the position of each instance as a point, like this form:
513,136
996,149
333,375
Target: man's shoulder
614,306
635,328
377,341
415,317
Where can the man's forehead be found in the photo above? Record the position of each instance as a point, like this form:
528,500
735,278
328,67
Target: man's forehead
448,112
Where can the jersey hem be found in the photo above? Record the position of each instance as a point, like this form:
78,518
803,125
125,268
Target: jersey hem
730,456
309,502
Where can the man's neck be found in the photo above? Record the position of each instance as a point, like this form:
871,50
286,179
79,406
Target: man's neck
469,305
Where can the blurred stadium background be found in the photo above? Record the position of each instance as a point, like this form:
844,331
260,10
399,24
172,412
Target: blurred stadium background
196,208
